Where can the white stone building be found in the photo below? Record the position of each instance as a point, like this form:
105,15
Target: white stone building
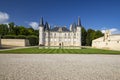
60,36
108,41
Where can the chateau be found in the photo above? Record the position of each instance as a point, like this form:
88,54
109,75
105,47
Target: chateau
60,36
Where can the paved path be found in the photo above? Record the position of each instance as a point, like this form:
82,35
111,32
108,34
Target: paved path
59,67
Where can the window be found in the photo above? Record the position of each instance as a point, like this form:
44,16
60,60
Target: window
50,34
68,34
51,39
46,39
118,41
44,34
55,39
77,34
74,39
106,43
65,39
68,39
65,34
54,34
74,34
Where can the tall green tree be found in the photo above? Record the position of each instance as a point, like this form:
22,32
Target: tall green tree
23,31
90,36
84,34
98,34
11,28
3,29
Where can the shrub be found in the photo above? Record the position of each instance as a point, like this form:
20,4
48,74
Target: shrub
9,37
21,37
33,40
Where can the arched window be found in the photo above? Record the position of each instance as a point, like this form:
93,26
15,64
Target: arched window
54,34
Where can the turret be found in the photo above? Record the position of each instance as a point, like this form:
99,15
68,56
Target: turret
79,22
107,35
79,30
47,27
41,22
41,32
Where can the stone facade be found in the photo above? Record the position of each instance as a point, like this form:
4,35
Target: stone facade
14,42
60,36
108,41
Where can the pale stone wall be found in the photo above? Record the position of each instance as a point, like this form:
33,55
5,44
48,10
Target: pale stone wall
113,43
14,42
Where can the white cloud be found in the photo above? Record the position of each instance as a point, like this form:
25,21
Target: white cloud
113,30
103,31
3,17
34,25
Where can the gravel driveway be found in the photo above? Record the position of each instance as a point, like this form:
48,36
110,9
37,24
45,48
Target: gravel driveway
59,67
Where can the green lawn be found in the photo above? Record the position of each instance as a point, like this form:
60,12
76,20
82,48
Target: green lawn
36,50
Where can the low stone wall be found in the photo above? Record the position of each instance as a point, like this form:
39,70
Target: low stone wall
14,42
112,45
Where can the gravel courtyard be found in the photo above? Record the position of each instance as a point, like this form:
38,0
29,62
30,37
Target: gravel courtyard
59,67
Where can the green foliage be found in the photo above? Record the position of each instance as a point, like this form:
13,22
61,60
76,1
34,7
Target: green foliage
21,37
84,34
9,37
3,29
11,28
90,36
33,40
98,34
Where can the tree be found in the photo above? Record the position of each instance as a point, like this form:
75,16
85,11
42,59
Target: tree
11,28
3,29
16,30
23,31
31,31
90,36
83,38
98,34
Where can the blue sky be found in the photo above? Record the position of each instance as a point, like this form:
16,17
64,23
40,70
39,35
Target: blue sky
95,14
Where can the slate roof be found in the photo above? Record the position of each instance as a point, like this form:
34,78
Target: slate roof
64,29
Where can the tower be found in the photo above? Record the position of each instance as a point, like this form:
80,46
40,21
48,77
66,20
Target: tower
107,35
41,32
79,31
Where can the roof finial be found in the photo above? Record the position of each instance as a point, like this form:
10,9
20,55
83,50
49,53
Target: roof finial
41,22
79,21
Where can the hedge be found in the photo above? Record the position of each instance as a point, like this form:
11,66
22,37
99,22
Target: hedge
33,40
9,37
20,37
